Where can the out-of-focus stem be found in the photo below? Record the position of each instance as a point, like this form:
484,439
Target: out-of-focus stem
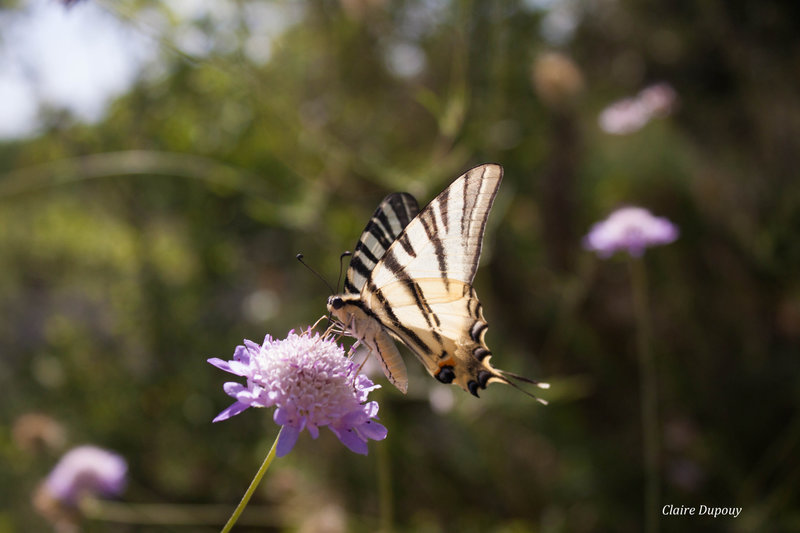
385,488
649,395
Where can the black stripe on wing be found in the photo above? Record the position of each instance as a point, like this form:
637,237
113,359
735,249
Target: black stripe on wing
387,222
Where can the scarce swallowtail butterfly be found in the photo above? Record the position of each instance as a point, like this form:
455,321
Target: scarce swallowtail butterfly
410,278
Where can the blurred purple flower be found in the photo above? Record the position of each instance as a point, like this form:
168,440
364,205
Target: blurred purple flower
631,229
658,99
311,383
623,117
631,114
86,470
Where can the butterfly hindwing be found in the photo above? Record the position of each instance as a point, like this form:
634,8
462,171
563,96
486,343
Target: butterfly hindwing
446,333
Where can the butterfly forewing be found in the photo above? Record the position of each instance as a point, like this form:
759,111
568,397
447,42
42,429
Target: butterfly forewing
445,239
387,222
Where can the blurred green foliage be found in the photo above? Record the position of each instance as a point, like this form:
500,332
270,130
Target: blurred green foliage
133,249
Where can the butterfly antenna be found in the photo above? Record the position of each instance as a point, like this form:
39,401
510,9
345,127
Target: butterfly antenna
341,267
509,376
300,258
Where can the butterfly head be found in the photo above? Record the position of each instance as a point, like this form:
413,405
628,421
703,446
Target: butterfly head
345,309
336,308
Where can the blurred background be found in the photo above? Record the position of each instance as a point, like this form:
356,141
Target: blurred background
161,164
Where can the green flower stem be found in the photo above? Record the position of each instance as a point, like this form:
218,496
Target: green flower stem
253,485
649,395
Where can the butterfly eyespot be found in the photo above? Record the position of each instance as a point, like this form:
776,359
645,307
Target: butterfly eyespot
483,378
472,385
446,374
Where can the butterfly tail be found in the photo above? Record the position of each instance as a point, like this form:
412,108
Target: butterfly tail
508,378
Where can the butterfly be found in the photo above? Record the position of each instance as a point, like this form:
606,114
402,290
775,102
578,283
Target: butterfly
410,278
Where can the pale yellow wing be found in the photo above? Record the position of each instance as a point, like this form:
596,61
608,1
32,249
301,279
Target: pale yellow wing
443,324
421,290
444,240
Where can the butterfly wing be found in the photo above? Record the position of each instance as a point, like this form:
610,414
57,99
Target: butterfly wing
445,239
421,290
387,222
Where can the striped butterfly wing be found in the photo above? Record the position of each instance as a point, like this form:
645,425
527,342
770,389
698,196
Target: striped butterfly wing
421,288
387,222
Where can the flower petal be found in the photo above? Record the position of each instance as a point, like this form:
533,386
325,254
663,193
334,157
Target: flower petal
222,365
373,430
351,439
286,440
252,347
233,410
232,388
239,368
241,355
371,409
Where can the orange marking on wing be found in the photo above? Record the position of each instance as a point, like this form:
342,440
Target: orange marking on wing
447,362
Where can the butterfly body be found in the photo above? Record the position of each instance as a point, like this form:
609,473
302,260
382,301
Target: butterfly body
410,278
362,324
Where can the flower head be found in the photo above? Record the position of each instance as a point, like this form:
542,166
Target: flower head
658,99
631,114
632,229
311,383
86,470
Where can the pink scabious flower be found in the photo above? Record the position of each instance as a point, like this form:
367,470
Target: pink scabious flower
631,229
623,117
631,114
311,383
86,471
659,99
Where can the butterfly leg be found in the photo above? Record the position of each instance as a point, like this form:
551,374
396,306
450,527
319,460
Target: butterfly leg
320,319
364,362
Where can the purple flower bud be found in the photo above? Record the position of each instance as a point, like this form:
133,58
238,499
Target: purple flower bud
310,382
631,229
